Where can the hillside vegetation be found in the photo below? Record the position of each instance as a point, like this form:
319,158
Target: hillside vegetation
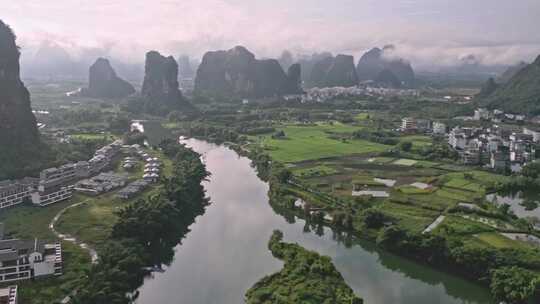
521,92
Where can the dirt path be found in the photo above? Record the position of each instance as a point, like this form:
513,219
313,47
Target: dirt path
69,238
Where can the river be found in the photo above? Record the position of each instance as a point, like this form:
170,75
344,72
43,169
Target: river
225,253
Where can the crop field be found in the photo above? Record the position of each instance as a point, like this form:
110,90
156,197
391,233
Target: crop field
499,241
462,226
408,217
92,136
316,171
313,142
483,178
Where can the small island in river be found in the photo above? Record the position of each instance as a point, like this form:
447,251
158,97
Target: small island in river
306,277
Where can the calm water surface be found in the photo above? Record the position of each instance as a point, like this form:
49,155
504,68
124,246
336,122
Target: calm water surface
225,253
516,202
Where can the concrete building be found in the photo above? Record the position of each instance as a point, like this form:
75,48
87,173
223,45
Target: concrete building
408,124
471,157
28,259
132,189
104,157
439,128
424,125
460,138
8,295
500,161
535,133
101,183
481,114
47,196
57,176
13,193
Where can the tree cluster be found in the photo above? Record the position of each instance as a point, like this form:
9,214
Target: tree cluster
146,232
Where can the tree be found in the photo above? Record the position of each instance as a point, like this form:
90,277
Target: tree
119,124
135,137
175,116
473,260
505,209
374,218
531,170
515,285
406,146
391,237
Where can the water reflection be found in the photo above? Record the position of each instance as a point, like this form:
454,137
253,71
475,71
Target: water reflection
523,204
225,253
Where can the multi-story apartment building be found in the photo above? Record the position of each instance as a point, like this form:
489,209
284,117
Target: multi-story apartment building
15,192
471,157
56,184
500,160
55,176
28,259
408,124
8,295
51,195
481,114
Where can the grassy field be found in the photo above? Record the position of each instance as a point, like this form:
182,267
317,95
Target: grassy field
313,142
92,222
92,136
418,141
30,221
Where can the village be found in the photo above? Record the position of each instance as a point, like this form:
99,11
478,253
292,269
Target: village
114,167
496,147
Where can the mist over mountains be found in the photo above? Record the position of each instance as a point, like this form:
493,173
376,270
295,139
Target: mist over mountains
53,61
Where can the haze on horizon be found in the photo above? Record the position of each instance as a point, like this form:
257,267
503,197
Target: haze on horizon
430,33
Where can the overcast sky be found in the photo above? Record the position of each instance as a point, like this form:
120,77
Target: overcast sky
425,31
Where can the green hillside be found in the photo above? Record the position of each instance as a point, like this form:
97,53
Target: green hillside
520,94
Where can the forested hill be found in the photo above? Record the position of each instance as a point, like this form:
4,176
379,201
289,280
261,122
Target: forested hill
520,94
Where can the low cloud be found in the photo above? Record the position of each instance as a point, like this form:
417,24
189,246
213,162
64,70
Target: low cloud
427,33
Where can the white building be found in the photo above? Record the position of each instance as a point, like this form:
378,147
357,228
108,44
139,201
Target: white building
535,133
56,176
8,295
439,128
15,192
28,259
408,124
481,114
46,196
